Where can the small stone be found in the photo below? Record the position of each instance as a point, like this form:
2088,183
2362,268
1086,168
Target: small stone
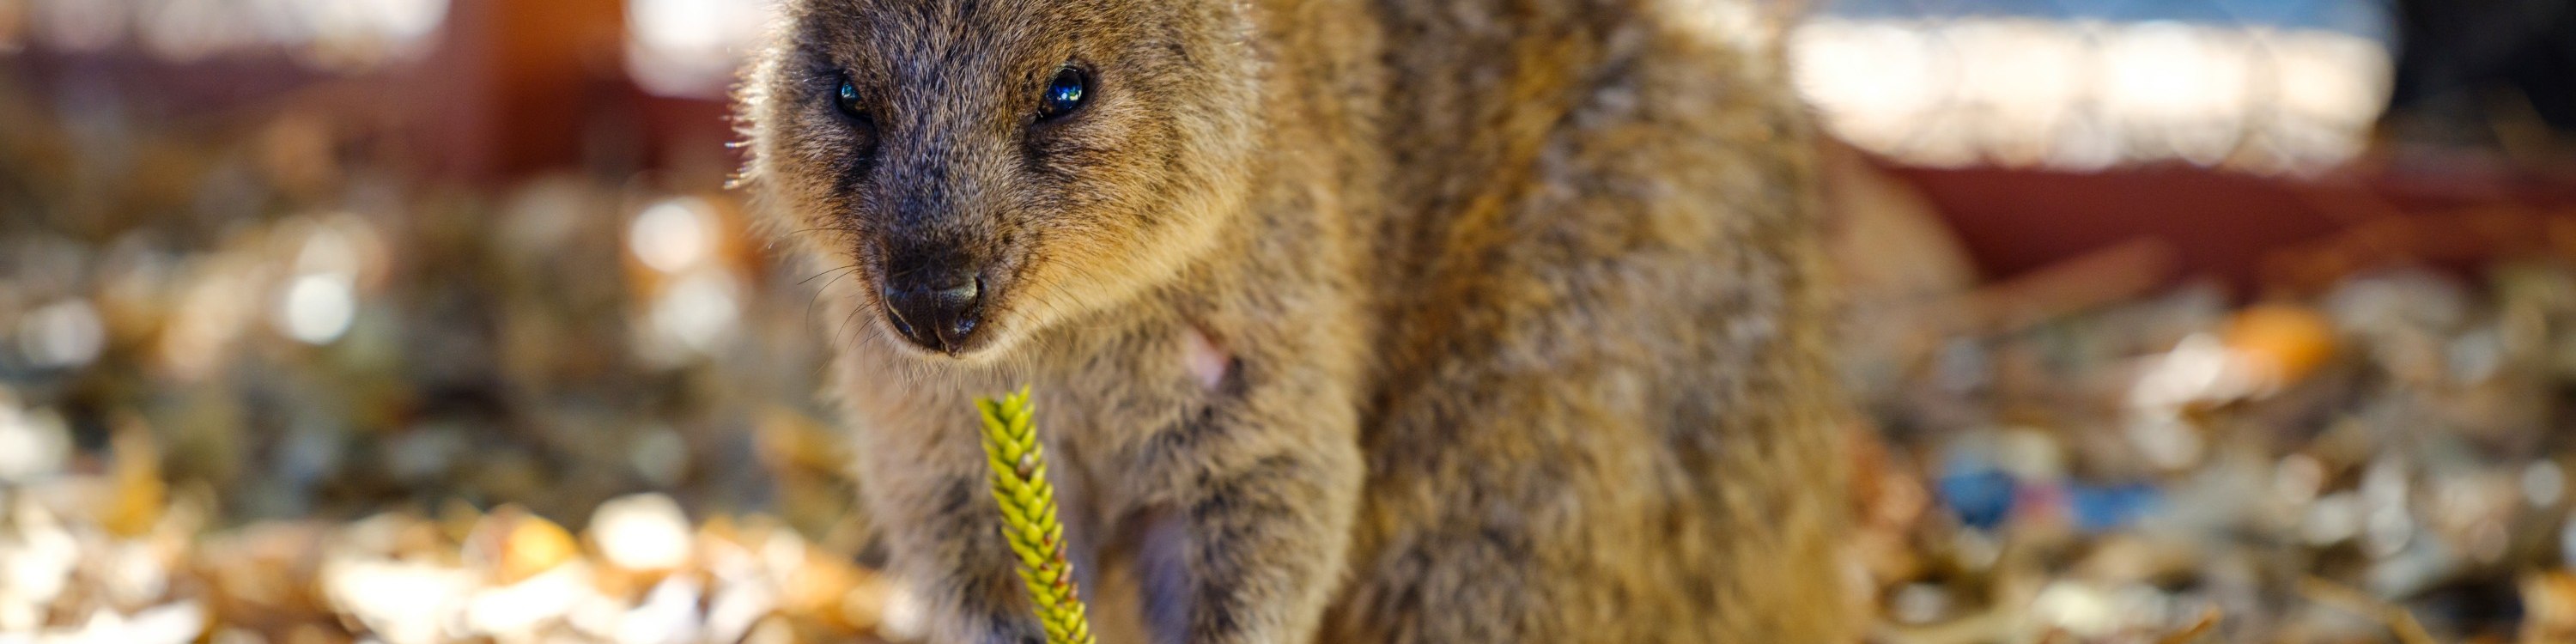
517,611
535,546
642,532
669,615
401,602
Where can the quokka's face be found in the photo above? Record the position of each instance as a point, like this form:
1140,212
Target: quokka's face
985,168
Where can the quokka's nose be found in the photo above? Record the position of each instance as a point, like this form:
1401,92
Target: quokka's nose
934,307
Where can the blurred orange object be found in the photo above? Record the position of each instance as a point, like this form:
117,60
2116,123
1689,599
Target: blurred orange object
139,493
2550,600
2280,343
535,545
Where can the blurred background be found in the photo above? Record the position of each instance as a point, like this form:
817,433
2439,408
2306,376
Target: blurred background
413,321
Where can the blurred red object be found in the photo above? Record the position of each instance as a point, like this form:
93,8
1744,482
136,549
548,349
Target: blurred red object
2254,233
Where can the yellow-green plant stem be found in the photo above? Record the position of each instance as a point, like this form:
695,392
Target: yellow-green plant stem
1029,516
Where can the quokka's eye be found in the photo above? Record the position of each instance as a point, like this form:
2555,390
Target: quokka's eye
1064,94
847,99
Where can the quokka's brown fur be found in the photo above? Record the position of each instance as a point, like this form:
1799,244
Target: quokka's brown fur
1349,320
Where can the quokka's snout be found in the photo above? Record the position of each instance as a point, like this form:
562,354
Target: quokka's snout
934,296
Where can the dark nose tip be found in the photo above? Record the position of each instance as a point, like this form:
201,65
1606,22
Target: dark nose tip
936,307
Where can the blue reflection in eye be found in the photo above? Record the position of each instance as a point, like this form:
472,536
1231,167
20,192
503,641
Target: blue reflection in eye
1064,93
848,100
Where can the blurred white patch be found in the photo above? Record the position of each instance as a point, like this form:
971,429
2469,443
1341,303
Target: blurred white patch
221,305
2179,90
692,47
2023,86
736,608
669,615
2079,609
62,335
2298,479
398,20
695,314
357,34
642,532
2332,519
1740,24
660,455
2165,439
906,621
1920,603
2387,527
189,30
2086,94
2567,541
400,602
515,612
337,244
2543,484
344,35
78,25
1871,80
318,307
2099,612
697,302
2199,369
36,564
673,235
133,573
34,444
178,623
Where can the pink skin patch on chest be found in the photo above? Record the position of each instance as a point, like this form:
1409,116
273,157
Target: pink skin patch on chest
1204,359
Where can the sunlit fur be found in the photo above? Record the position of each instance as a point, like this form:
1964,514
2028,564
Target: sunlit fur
1518,298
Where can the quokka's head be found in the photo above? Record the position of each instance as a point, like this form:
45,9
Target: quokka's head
985,168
